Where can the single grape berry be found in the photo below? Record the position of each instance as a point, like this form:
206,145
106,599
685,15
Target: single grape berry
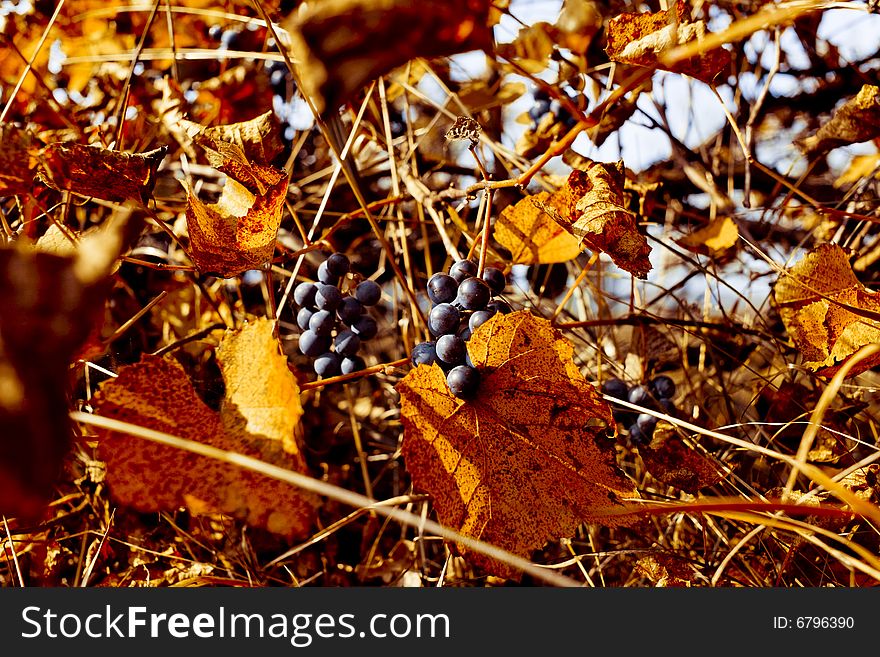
327,364
313,345
479,318
616,388
498,306
423,353
365,327
463,269
325,276
349,310
304,295
347,343
328,297
495,279
668,407
646,423
639,395
450,349
322,322
443,319
465,333
463,381
473,294
442,288
338,264
663,387
215,31
303,317
352,364
368,293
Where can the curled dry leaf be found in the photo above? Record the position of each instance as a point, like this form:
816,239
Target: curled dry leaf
827,312
528,459
257,418
671,461
51,304
592,207
857,120
531,235
90,170
257,141
668,570
641,39
343,44
17,166
712,239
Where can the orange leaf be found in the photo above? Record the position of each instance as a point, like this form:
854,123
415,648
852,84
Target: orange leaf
99,172
16,166
712,239
156,393
592,207
343,44
257,141
531,235
641,39
827,312
528,459
671,461
857,120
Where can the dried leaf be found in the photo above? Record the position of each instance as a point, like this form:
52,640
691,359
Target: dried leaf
531,48
671,461
578,23
478,96
531,235
257,141
238,232
526,460
90,170
827,312
16,163
857,120
641,39
343,44
667,570
712,239
156,393
593,208
861,166
51,304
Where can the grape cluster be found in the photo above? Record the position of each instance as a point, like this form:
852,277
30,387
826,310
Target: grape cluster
657,395
335,324
545,105
461,303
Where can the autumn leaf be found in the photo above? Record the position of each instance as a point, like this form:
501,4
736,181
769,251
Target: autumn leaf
592,207
17,167
827,312
712,239
527,460
857,120
343,44
257,418
641,39
531,48
90,170
257,141
671,461
531,235
51,304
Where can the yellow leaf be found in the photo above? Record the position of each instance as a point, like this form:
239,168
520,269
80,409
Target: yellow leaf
714,238
861,166
855,121
531,235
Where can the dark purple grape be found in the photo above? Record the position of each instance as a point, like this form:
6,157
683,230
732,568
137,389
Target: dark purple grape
616,388
351,364
366,327
368,293
349,310
646,423
539,109
479,318
338,264
639,395
303,317
313,345
347,343
325,276
215,31
663,387
328,297
473,294
463,381
499,306
637,436
327,364
443,319
304,295
322,322
465,333
463,269
451,349
424,353
668,407
495,279
230,39
442,288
